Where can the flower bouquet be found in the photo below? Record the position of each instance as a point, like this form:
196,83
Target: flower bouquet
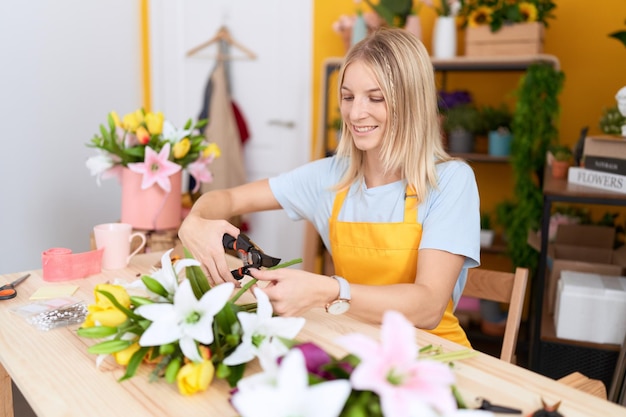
148,144
190,333
188,330
147,154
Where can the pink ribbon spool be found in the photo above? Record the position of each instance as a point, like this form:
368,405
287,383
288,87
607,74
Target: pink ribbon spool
60,264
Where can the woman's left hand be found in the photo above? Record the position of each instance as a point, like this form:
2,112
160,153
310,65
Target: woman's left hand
293,292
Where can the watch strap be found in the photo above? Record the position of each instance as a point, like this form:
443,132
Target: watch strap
344,287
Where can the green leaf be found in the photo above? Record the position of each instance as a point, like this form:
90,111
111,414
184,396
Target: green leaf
235,374
96,332
134,362
111,122
620,35
109,346
129,313
140,301
154,286
197,278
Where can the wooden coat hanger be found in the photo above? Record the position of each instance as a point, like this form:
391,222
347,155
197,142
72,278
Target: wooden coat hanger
223,34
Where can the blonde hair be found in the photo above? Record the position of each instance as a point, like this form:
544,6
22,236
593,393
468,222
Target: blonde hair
411,141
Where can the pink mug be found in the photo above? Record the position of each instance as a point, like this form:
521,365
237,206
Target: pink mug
116,238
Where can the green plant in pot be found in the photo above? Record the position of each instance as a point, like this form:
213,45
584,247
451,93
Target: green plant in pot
486,232
461,124
496,124
561,159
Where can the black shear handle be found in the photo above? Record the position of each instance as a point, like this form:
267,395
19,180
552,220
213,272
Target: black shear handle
241,245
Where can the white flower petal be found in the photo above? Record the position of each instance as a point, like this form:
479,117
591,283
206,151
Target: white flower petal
190,349
160,333
264,308
244,353
202,331
215,299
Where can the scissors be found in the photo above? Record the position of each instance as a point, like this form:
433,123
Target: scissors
8,291
251,255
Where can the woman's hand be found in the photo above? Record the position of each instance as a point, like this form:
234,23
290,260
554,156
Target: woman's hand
293,292
203,238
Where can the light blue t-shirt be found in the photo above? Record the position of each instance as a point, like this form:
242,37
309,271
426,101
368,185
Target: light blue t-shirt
450,214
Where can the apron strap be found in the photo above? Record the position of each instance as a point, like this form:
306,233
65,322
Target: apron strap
410,205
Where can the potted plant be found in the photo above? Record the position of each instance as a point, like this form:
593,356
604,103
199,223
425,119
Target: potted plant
461,124
560,160
496,124
486,232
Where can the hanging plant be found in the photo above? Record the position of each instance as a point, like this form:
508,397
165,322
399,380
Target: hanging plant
535,126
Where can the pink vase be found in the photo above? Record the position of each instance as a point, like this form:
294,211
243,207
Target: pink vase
151,209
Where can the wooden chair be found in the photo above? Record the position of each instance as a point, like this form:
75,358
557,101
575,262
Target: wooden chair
502,287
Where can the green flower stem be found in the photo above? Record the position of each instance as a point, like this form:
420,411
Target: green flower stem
253,281
454,356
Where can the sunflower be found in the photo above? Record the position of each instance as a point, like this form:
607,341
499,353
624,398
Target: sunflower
528,11
480,16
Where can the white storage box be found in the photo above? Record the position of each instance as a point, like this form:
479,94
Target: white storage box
591,308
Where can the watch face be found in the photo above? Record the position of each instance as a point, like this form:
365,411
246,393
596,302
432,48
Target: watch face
338,307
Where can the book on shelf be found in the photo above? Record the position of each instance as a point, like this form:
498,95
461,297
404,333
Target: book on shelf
608,146
606,164
597,179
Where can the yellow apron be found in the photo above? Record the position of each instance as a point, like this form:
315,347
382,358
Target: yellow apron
384,254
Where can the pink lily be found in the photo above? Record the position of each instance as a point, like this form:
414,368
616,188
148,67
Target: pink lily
199,169
156,168
392,370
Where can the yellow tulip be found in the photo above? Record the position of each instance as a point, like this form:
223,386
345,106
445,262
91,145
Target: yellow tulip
212,149
195,377
143,136
154,122
131,122
103,311
123,356
116,119
182,148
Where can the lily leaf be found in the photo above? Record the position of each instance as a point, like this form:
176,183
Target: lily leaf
109,346
134,363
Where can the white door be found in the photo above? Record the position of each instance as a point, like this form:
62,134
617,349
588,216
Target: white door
273,91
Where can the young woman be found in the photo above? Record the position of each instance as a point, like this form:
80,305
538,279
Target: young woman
399,216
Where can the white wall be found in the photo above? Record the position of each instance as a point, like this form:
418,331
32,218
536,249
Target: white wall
64,65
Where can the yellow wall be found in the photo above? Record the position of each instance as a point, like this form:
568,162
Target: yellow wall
594,66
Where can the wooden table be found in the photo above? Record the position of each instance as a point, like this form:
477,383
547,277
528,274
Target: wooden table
58,377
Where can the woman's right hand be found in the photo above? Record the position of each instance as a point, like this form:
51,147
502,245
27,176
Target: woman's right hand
203,238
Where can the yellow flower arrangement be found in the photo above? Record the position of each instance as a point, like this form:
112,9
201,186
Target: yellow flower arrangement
496,13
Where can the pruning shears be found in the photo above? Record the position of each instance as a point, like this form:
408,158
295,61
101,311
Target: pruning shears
251,255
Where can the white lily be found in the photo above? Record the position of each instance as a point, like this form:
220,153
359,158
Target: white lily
102,166
187,320
291,395
172,134
260,328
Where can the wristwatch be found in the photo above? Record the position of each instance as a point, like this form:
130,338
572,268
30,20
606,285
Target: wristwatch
342,303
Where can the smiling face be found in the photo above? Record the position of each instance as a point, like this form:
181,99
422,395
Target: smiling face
363,106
